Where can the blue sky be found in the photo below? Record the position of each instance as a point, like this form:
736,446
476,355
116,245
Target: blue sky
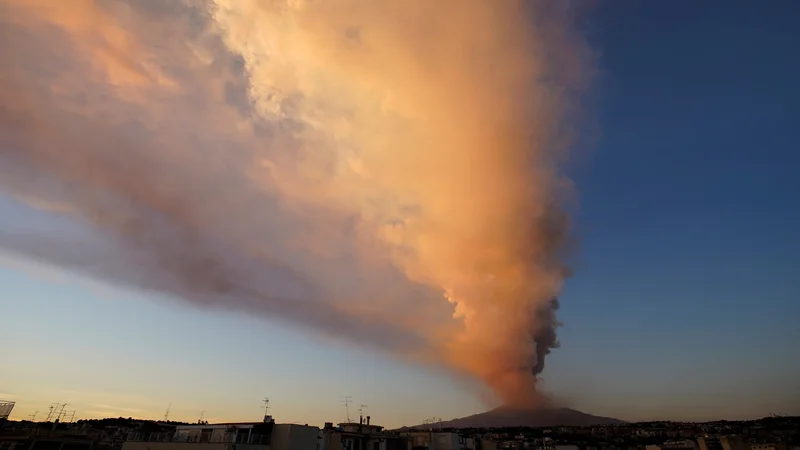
684,303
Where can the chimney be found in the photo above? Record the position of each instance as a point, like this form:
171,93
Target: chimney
361,420
367,420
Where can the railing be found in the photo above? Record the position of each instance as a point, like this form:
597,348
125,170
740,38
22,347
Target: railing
227,438
5,408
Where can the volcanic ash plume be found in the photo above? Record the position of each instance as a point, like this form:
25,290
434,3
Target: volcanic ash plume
380,171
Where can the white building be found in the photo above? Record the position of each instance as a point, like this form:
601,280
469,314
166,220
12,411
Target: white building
265,435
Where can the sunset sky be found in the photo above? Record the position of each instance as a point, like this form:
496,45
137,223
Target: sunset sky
683,304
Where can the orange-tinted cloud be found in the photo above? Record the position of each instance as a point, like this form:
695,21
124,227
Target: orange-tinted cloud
381,171
94,31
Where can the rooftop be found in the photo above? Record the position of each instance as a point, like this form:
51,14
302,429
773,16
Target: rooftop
219,425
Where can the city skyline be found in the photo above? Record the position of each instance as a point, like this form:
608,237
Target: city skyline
682,306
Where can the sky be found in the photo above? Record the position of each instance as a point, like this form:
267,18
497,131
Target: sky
684,299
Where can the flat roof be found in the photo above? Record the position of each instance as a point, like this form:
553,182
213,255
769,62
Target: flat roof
219,425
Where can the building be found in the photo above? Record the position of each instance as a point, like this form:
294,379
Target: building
709,443
442,440
557,447
768,446
254,433
721,443
288,436
686,444
28,435
361,436
266,435
439,440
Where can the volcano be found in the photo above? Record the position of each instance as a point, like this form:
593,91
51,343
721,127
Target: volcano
506,416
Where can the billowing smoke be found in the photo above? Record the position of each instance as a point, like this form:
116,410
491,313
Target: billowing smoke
381,171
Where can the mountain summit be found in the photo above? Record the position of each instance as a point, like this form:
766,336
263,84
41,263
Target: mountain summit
506,416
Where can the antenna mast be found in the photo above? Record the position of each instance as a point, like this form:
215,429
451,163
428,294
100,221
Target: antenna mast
347,399
266,408
61,413
166,414
51,409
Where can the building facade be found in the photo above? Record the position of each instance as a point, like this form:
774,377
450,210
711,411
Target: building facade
265,435
361,436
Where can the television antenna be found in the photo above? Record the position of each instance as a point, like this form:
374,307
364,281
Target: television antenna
347,399
61,413
51,409
266,407
33,416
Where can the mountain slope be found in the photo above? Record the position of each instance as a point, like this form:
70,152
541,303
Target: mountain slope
515,417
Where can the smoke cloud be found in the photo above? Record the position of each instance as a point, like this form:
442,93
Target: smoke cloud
384,172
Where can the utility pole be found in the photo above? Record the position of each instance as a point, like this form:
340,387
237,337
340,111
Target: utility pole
347,399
